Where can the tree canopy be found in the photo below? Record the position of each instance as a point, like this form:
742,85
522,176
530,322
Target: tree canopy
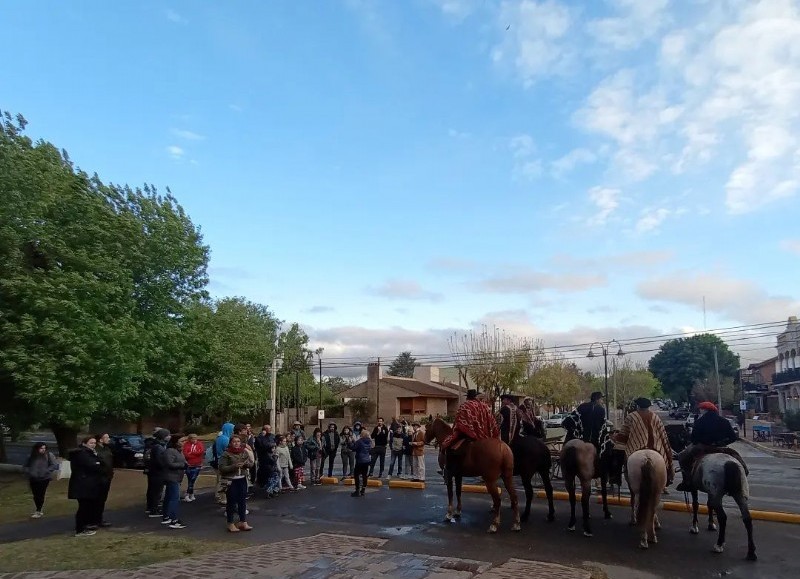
403,366
681,363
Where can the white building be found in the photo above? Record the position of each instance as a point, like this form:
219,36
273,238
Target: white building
786,380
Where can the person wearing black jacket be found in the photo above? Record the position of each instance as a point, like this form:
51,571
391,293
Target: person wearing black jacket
593,417
264,446
380,436
155,472
330,443
710,433
85,484
107,459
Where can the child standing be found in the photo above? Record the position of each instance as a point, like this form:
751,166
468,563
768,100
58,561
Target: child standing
193,452
39,467
299,456
396,446
363,452
284,462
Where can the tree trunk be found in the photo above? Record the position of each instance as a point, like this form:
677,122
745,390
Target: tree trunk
66,438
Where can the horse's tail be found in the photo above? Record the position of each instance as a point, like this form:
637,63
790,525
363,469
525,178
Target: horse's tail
570,459
646,491
733,478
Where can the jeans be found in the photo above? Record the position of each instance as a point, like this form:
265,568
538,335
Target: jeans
397,456
39,489
285,477
331,458
348,462
192,472
409,464
155,486
361,476
315,470
236,496
379,452
83,517
172,496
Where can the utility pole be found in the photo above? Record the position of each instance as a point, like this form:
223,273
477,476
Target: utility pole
719,386
614,369
297,393
272,391
378,391
320,385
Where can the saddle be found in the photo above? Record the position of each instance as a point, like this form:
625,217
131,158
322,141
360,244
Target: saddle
459,448
705,450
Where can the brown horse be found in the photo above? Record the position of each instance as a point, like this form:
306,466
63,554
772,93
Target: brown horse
489,458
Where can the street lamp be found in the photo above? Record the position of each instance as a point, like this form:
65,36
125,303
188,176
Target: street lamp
604,348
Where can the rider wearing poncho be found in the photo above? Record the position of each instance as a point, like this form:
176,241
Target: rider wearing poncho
474,421
643,430
507,419
711,433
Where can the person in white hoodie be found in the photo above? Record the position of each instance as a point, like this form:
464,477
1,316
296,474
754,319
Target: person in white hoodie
284,462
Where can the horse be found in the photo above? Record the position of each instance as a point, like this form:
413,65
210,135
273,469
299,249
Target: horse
580,459
531,456
718,475
647,476
489,458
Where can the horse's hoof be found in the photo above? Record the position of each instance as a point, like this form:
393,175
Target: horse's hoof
492,529
658,525
587,534
751,556
653,540
571,529
643,544
712,527
516,527
457,516
718,548
694,530
609,516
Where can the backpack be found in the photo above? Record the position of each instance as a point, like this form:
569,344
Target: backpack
214,462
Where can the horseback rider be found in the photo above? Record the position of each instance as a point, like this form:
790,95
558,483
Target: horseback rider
593,418
473,421
507,419
643,430
711,434
530,425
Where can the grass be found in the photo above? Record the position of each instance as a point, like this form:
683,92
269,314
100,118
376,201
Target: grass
103,551
127,490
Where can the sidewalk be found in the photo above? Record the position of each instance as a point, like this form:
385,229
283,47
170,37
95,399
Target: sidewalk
325,556
770,449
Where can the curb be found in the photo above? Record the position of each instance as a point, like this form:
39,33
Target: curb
772,516
406,484
777,453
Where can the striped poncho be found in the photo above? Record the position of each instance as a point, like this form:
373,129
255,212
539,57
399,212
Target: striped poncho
644,430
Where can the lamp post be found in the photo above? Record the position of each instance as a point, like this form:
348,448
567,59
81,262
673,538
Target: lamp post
604,348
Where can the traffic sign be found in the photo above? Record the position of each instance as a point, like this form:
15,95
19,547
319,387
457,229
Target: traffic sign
742,404
320,415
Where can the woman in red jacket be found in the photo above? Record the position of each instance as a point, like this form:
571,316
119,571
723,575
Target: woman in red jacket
194,452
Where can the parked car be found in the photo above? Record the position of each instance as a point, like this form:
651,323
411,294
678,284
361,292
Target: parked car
679,414
735,426
690,420
555,420
128,450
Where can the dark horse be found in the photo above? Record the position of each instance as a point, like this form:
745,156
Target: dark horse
580,459
531,456
489,458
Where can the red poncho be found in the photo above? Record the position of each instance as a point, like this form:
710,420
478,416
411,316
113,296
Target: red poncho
475,420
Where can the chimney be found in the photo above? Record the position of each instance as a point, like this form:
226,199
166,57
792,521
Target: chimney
373,375
426,373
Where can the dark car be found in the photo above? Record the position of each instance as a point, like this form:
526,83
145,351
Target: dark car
128,450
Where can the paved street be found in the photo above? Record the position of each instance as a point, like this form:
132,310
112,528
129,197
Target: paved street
412,521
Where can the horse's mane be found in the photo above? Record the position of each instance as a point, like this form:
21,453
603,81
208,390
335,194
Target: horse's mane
573,425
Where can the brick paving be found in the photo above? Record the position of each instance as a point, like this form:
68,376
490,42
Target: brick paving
323,556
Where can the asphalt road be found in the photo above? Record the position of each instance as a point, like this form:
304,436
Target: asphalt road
413,521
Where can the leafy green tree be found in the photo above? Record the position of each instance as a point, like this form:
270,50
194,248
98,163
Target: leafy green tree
69,337
403,366
295,377
680,363
554,382
631,381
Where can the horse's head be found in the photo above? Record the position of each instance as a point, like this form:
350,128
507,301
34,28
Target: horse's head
437,430
611,459
539,429
573,425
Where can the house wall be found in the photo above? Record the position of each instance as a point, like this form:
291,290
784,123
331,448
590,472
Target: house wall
437,406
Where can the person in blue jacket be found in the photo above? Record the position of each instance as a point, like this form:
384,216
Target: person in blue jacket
220,445
363,449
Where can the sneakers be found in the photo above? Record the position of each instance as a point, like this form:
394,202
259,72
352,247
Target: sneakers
166,521
187,499
300,487
154,515
37,515
176,524
86,533
354,494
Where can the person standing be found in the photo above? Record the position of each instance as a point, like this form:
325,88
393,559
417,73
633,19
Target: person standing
408,451
330,444
107,459
363,451
264,446
156,469
234,465
299,457
418,444
396,449
39,467
348,454
220,445
284,459
314,452
193,451
85,484
380,437
173,467
154,485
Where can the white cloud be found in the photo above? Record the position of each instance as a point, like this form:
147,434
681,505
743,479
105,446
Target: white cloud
606,201
651,219
526,164
569,161
537,44
175,152
456,134
637,22
188,135
456,9
173,16
525,281
791,245
399,289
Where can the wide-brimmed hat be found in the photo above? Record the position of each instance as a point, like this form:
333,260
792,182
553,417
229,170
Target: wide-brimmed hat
507,397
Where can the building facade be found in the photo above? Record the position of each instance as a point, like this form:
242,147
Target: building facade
786,379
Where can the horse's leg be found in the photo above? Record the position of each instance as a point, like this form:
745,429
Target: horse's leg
508,482
494,492
604,493
569,482
586,497
694,529
548,491
449,480
633,508
526,483
716,502
711,525
741,502
459,481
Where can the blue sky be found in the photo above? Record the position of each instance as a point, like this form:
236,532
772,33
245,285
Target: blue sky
388,173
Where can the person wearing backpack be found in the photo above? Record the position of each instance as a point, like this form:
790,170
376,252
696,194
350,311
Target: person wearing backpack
40,466
220,446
